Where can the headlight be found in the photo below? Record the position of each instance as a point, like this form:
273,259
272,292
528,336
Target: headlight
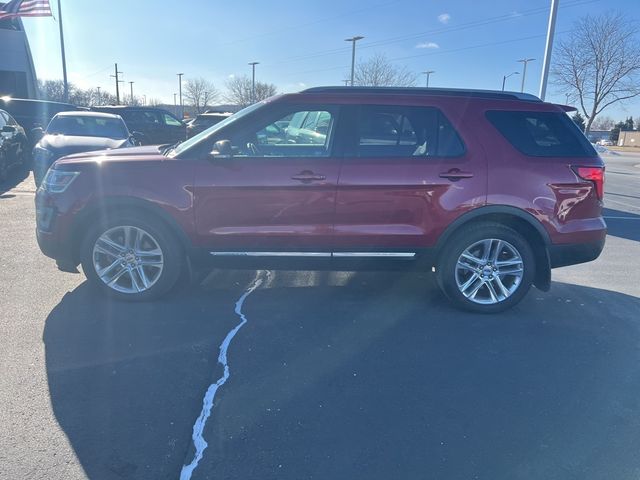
57,181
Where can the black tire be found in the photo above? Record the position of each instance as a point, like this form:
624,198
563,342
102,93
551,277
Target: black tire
4,167
172,252
465,238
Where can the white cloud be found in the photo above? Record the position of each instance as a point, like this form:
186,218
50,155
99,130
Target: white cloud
430,45
444,18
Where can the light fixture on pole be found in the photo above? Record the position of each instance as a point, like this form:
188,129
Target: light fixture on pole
428,74
504,78
253,80
524,61
353,41
180,94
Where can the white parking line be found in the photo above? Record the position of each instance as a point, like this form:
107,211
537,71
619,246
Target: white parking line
207,404
623,218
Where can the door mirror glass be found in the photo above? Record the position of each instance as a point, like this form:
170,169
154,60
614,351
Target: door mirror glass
221,149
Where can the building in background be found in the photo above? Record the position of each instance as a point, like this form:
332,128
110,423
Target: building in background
629,139
17,73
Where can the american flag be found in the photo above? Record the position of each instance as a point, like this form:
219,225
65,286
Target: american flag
25,8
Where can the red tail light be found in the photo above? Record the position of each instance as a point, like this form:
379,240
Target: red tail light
593,174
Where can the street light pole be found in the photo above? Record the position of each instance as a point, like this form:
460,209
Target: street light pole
524,61
64,57
131,86
253,80
504,78
428,74
98,88
175,106
353,41
180,90
549,46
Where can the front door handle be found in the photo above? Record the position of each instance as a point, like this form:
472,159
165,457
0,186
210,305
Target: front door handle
456,174
308,176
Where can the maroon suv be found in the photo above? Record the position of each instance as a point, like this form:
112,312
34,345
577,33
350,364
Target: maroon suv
490,190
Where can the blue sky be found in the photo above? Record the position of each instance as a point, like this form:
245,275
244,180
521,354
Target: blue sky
469,43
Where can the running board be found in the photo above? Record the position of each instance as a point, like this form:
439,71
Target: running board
317,254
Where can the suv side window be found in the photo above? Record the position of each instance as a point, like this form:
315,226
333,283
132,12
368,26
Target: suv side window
542,134
278,137
169,120
3,119
398,131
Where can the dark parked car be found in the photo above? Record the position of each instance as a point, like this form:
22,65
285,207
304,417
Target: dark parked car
73,132
204,121
490,190
33,114
153,126
13,144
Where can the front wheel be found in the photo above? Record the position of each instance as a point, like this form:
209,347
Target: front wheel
132,258
486,268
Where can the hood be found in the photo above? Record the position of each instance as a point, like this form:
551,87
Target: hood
132,154
61,145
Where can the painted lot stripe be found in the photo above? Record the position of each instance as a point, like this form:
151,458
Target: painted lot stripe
622,218
199,442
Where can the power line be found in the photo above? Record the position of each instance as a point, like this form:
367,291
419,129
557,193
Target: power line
452,29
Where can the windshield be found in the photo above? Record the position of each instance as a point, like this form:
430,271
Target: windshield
87,126
202,136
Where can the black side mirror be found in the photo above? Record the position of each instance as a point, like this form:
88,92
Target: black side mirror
137,138
8,129
221,149
36,134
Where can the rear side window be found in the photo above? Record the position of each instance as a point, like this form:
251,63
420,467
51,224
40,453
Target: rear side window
542,134
395,131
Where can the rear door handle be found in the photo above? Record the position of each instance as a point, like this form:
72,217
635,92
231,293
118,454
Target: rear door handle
456,174
308,176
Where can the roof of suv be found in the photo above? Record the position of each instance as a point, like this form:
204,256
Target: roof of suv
450,92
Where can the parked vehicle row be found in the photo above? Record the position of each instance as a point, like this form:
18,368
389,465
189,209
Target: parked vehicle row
488,189
13,144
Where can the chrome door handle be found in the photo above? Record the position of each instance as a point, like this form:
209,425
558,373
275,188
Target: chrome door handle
308,177
456,174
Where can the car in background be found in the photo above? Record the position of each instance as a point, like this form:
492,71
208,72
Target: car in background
604,143
443,180
13,144
34,115
204,121
74,132
153,126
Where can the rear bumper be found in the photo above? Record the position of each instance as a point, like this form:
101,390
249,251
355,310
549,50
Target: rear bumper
562,255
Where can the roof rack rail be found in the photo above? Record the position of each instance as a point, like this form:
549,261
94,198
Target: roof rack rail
453,92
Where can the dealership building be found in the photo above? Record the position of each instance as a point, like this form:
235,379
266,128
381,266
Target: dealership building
17,74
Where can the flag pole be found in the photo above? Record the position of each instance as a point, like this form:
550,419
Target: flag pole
64,59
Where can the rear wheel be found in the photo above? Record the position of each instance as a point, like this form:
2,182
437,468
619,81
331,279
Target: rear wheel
486,268
132,258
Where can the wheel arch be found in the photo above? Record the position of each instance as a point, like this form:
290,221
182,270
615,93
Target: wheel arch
106,209
517,219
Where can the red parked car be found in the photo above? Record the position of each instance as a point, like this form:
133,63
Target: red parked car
490,190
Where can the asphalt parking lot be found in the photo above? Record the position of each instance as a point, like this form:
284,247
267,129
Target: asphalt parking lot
334,375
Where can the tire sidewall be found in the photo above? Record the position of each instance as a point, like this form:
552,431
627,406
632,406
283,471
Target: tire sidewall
171,251
465,238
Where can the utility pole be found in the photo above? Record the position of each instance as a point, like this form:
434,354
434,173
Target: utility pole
64,58
175,107
98,88
428,74
253,81
144,100
118,82
131,85
551,30
504,78
353,41
180,90
524,61
566,99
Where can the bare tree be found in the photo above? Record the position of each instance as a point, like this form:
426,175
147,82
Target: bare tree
598,64
378,71
603,123
239,91
199,93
